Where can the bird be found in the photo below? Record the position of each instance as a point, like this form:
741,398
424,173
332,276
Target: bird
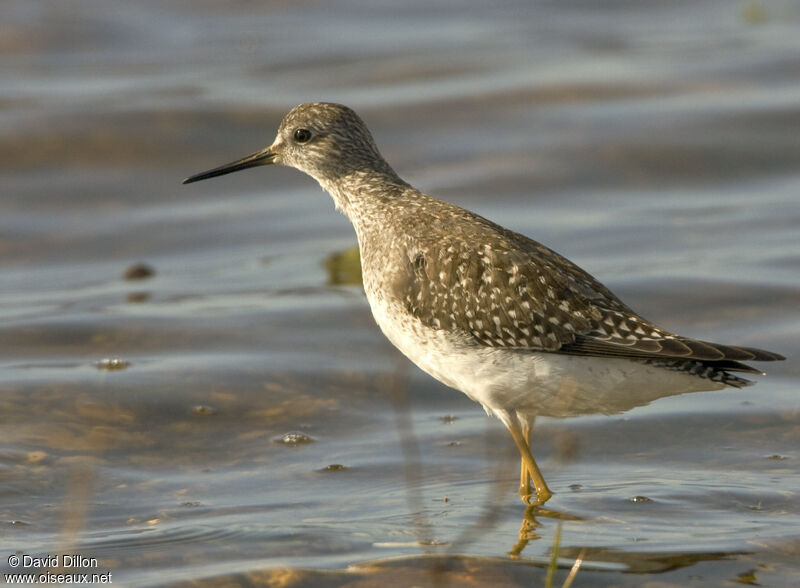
483,309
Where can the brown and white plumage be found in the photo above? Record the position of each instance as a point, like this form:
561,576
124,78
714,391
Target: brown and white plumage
488,311
509,291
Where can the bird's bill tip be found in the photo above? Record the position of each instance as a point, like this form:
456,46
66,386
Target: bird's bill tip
263,157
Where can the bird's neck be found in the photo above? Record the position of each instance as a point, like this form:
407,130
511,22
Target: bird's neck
365,196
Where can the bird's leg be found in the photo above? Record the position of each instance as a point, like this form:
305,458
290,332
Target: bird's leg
543,493
524,474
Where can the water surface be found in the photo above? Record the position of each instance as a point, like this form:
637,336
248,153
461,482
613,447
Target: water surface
655,145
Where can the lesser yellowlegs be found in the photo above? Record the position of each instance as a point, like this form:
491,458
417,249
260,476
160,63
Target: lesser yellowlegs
485,310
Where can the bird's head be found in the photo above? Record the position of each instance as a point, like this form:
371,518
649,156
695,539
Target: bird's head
322,139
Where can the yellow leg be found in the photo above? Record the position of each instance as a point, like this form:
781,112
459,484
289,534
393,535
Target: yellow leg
524,475
543,493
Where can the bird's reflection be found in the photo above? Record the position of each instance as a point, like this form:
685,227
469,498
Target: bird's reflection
527,530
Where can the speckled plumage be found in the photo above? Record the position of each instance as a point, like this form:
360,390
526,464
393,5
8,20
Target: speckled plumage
486,310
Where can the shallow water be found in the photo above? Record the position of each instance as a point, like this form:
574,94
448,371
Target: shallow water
654,145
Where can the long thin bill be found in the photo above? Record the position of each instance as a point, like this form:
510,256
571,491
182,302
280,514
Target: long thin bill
263,157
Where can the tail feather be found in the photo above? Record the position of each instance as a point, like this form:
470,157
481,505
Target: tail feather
716,371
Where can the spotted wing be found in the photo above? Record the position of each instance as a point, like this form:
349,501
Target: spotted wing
505,290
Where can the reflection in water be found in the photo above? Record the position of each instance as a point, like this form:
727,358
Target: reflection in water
527,531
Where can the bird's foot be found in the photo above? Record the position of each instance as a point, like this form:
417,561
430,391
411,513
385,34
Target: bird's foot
535,497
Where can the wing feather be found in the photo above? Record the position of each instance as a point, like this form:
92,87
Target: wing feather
505,290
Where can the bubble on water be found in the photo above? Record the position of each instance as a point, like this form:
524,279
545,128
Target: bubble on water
334,467
112,364
640,499
204,409
294,438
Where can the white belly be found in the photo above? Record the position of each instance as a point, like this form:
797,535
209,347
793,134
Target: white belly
533,383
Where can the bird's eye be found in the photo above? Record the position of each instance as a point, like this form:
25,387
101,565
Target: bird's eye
302,135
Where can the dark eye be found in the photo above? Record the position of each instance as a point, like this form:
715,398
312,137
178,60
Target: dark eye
302,135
